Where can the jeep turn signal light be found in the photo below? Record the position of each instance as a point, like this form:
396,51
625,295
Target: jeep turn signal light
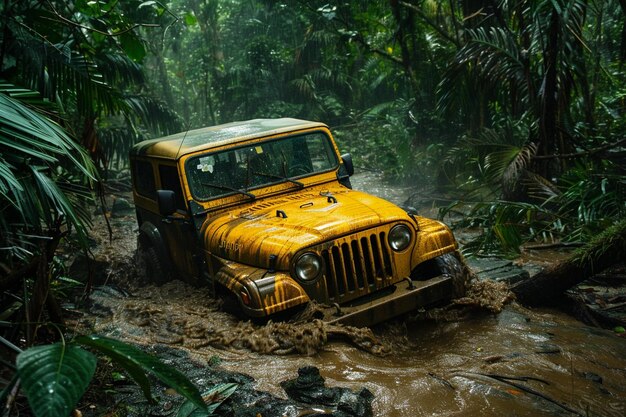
245,298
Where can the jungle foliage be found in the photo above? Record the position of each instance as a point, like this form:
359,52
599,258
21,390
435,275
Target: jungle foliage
512,110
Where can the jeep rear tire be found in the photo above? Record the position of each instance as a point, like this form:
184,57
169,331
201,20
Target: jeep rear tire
150,267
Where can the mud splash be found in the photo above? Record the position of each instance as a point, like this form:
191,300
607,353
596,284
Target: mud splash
483,296
177,314
180,315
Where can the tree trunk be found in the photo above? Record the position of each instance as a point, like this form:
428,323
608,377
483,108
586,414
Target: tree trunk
42,300
549,116
622,54
403,36
605,250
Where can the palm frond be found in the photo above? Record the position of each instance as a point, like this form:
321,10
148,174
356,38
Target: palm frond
33,152
58,72
322,38
496,55
322,74
540,188
154,114
376,111
29,135
491,60
119,70
116,142
305,86
57,202
8,181
519,162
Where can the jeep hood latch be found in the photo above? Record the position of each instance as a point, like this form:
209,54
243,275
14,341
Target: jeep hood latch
330,198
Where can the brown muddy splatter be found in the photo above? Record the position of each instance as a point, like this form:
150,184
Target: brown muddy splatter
489,295
483,296
180,315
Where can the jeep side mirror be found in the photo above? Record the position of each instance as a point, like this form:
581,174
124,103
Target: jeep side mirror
346,159
166,201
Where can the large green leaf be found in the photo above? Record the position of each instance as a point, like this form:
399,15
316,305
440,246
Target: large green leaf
60,202
32,135
54,377
133,46
215,396
137,363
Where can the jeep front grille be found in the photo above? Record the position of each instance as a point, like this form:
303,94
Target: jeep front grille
357,265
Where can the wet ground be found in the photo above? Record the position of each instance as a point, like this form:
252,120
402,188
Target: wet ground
487,362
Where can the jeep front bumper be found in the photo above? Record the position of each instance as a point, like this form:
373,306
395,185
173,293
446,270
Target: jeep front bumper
396,300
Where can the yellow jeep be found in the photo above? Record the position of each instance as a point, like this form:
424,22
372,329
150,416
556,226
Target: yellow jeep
263,211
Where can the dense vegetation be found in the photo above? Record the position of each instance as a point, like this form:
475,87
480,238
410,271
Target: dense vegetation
510,111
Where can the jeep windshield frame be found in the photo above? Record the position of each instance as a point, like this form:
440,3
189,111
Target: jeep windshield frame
260,164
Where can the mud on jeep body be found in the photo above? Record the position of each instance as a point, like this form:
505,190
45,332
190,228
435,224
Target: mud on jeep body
264,211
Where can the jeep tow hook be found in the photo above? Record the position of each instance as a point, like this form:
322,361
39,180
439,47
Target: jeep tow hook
338,313
410,281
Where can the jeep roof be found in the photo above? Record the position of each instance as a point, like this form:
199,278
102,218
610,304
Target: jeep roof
179,144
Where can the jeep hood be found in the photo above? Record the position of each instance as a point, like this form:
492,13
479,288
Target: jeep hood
283,225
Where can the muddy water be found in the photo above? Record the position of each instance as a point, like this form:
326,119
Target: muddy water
441,369
516,362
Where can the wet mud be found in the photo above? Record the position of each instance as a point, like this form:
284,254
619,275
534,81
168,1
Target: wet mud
180,315
481,355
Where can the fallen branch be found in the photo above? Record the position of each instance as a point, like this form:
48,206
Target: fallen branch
555,245
509,381
605,250
583,153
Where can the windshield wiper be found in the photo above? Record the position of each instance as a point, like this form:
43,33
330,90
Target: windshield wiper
224,187
279,177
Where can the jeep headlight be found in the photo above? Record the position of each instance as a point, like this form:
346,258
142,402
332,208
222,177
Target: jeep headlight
399,237
308,267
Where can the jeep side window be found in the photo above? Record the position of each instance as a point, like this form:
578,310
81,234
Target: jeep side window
170,181
144,179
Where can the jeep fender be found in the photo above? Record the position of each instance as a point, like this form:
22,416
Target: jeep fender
150,235
267,293
433,239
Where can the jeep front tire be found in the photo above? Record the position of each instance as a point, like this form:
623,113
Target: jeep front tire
450,264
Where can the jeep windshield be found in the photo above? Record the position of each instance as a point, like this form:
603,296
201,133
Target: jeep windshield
253,166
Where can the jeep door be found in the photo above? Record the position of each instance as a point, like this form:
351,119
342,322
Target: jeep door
178,228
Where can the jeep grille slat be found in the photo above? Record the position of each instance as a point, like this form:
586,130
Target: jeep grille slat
368,262
343,274
356,266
